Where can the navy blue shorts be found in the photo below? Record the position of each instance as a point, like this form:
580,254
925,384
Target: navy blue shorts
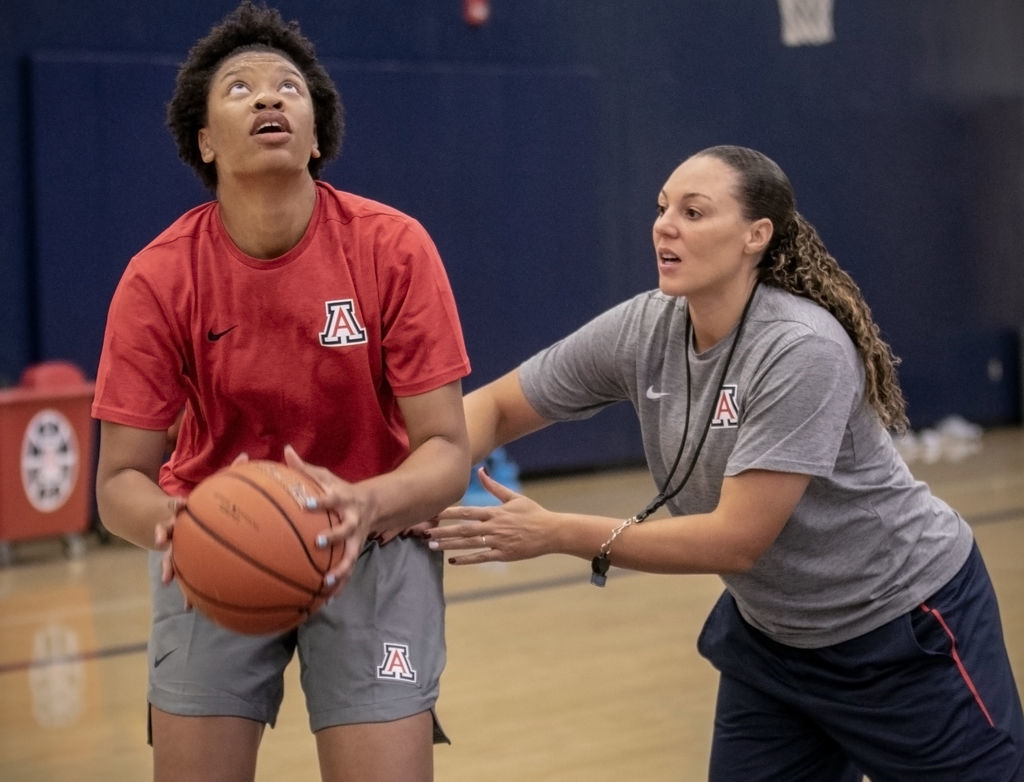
929,696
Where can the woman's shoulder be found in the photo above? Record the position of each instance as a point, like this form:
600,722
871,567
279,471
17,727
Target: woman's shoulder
341,203
176,244
797,315
194,222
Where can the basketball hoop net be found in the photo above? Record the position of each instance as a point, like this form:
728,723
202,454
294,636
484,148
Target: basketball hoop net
807,22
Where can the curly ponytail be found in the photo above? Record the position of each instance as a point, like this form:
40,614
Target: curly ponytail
797,261
800,264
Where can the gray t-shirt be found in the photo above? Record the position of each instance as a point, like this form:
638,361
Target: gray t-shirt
866,543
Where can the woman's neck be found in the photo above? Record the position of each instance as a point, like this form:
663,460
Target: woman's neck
714,317
268,219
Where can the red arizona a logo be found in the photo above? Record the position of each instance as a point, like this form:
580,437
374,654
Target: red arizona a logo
342,327
396,664
727,414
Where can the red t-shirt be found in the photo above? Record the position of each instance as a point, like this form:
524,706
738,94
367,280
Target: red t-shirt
310,349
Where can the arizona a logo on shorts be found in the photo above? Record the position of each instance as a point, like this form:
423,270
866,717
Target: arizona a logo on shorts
727,413
396,664
343,326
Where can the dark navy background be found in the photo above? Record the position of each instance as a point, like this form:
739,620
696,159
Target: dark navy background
532,148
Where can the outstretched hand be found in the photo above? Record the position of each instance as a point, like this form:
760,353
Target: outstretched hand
518,528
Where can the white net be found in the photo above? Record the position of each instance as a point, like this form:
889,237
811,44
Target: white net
807,22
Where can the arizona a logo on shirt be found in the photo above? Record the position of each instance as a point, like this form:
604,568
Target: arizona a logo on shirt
343,326
727,414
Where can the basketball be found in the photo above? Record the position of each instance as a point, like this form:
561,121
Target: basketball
244,548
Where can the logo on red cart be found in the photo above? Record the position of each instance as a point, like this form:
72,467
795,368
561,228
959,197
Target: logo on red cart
49,460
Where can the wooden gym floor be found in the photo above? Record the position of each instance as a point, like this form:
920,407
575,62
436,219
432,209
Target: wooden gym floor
548,678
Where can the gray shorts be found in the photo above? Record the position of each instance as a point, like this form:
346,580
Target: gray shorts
374,654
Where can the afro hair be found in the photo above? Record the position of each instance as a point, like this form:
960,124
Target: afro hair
250,27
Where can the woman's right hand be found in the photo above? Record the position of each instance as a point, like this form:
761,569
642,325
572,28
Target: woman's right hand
518,528
164,533
163,541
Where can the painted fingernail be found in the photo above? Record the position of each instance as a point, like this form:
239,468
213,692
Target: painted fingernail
321,541
433,545
330,580
310,503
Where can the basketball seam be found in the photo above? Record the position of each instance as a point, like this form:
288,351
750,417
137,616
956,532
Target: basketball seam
309,598
291,525
255,610
246,557
298,612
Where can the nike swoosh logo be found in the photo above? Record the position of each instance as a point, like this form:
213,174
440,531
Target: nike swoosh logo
164,656
652,394
213,336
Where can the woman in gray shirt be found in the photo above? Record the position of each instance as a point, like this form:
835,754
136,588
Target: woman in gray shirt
858,632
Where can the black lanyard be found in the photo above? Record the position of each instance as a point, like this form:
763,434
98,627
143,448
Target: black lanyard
665,495
599,565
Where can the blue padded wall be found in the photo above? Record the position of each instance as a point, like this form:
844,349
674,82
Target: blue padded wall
532,149
106,181
514,231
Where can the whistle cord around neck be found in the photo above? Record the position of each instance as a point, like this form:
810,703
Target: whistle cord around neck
664,495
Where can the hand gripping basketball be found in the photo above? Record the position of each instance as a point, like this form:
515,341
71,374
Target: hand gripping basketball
244,547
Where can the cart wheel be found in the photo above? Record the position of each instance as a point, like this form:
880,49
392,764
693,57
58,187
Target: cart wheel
74,546
102,533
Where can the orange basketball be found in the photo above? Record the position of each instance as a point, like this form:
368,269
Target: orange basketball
244,548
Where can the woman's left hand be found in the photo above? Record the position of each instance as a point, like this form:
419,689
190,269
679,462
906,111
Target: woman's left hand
517,529
354,510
